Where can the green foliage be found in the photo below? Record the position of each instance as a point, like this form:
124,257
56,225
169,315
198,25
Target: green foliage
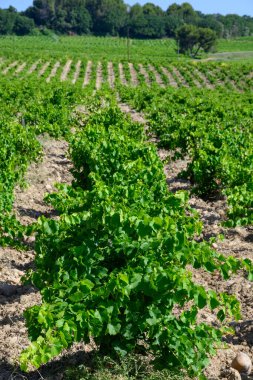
18,148
146,22
193,39
11,22
185,12
215,131
109,16
113,267
86,48
28,110
61,16
112,17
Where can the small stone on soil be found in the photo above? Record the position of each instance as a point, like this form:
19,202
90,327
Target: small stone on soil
242,363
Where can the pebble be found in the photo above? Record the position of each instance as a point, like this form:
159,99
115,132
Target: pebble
242,363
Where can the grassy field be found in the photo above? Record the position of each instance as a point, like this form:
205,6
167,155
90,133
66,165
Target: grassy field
241,44
96,48
115,49
237,49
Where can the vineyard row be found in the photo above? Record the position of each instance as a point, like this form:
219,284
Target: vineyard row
95,74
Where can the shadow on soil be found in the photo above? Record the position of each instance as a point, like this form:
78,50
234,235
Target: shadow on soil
34,214
244,333
51,371
11,293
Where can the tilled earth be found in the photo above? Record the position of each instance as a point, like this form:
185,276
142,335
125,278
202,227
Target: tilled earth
15,298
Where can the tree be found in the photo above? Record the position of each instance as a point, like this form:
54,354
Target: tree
23,25
192,39
7,21
72,17
147,21
61,15
42,12
172,23
185,12
210,21
12,22
108,16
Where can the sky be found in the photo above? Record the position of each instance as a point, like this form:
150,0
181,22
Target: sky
240,7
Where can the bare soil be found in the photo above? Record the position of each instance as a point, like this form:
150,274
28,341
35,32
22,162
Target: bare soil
44,68
180,77
122,74
195,80
158,78
174,77
20,68
33,67
9,67
99,78
111,75
143,72
53,71
66,69
14,297
205,79
135,116
77,71
172,81
134,79
88,71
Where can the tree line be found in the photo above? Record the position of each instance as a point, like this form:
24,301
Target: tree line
115,18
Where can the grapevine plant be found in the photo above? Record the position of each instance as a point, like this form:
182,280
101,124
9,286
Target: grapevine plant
114,266
18,148
213,129
27,110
